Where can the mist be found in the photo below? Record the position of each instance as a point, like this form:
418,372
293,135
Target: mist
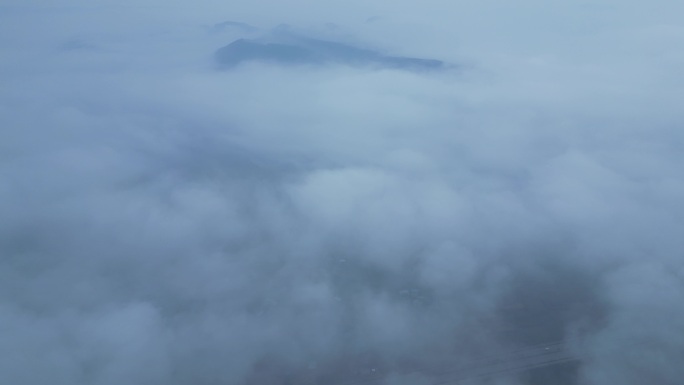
514,217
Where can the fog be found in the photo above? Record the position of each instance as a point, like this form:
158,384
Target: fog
167,221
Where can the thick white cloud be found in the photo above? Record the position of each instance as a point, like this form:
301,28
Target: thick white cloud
164,222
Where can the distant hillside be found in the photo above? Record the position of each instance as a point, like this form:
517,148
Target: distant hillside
308,51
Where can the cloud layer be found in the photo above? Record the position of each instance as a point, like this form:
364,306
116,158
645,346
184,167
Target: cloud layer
162,222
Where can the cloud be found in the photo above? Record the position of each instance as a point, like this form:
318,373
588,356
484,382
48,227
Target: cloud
165,222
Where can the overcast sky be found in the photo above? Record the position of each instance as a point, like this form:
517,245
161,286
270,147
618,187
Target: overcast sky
164,222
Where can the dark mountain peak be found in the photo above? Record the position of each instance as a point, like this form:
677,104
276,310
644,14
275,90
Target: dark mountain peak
288,48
